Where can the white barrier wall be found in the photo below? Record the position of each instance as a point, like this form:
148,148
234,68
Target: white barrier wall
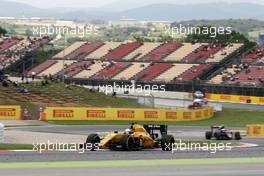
161,99
2,133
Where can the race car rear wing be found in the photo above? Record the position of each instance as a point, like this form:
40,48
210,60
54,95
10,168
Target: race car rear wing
152,130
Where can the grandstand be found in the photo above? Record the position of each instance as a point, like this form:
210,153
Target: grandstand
194,72
113,69
253,75
131,71
254,55
122,51
142,51
103,50
69,50
203,53
94,68
225,52
144,62
173,72
14,49
5,44
248,72
56,67
84,50
181,53
162,51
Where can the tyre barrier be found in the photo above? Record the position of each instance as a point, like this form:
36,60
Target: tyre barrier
255,130
125,114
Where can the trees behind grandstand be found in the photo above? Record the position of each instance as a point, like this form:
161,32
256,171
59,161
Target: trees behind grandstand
233,37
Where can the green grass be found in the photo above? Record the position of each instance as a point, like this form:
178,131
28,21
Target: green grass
229,117
128,163
16,147
86,97
60,92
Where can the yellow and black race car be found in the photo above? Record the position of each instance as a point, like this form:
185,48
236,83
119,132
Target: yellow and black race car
137,137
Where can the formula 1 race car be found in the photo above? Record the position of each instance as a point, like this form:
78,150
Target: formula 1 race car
220,133
135,138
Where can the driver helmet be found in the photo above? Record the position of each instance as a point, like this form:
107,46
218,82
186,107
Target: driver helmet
127,131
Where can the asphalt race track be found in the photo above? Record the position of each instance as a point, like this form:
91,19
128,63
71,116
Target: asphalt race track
179,132
14,159
170,170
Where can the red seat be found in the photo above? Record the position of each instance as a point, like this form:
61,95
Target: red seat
85,49
75,68
194,72
162,51
203,53
43,66
153,71
122,51
254,55
112,70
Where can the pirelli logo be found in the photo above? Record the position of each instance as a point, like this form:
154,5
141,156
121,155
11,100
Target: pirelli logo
225,97
198,114
151,115
244,98
126,114
206,113
171,115
187,115
67,114
95,114
257,130
7,112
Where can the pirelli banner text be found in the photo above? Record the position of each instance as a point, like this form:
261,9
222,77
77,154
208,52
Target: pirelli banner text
255,130
127,114
10,112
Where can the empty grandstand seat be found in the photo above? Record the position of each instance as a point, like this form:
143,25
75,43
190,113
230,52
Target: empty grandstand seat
69,50
103,50
254,55
43,66
254,75
131,71
85,49
153,71
162,51
122,51
194,72
225,52
172,73
142,51
95,67
55,68
75,68
183,51
8,43
111,70
203,53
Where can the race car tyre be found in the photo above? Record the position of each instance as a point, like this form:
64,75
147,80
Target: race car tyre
167,142
129,144
92,141
217,135
208,135
237,136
